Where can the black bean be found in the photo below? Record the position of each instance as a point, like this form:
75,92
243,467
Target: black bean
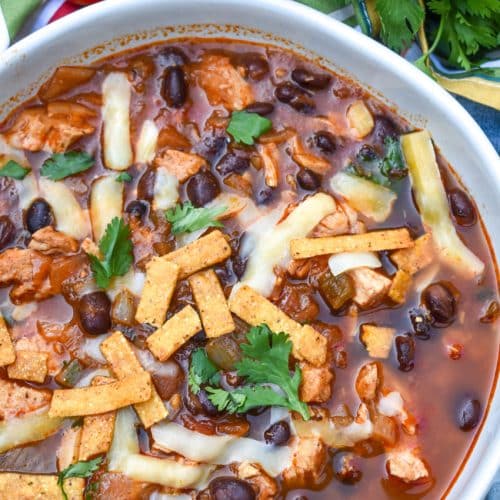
421,321
325,141
346,467
174,89
212,146
233,162
405,351
310,80
94,311
202,188
256,66
137,209
295,97
146,185
384,127
172,56
239,266
7,231
39,215
468,414
261,108
462,207
264,195
230,488
199,403
278,433
308,180
206,404
441,302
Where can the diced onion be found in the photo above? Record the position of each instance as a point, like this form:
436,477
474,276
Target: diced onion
23,430
431,199
70,218
106,203
220,450
365,196
91,347
166,189
391,405
116,91
146,145
341,262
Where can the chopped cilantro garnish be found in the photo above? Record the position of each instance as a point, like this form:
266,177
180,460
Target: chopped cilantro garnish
14,170
185,218
202,371
124,177
245,127
61,165
83,468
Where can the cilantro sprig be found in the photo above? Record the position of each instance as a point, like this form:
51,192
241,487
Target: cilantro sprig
61,165
202,371
83,468
124,177
116,249
185,218
265,368
245,127
14,170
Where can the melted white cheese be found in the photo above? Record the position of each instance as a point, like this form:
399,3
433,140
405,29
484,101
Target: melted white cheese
106,203
341,262
166,189
27,191
133,281
391,405
146,145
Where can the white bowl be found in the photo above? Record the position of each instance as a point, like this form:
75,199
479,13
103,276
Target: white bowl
104,28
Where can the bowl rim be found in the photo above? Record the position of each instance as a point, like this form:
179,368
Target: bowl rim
472,479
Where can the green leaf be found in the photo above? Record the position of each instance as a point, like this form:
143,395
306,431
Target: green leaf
14,170
421,64
245,127
326,6
124,177
400,22
185,218
61,165
202,371
116,249
393,165
83,468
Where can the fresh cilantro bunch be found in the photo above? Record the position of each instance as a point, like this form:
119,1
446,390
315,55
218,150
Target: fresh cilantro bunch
185,218
83,468
265,367
116,249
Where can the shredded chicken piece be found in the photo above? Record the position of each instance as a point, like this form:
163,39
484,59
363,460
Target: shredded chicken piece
316,385
368,381
182,165
299,268
270,159
49,241
406,466
90,246
264,486
17,400
222,83
332,225
370,286
306,159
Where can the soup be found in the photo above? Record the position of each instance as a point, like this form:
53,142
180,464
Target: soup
228,272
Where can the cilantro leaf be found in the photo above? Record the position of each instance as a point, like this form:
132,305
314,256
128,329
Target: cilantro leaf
124,177
202,371
61,165
83,468
116,249
185,218
400,22
14,170
393,165
245,127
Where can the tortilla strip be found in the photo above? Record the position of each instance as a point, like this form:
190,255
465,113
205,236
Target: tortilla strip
211,303
250,306
7,353
399,287
417,257
97,430
174,333
39,486
134,388
119,354
29,365
161,278
374,241
205,252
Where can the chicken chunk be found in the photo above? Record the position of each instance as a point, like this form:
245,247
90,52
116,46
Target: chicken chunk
182,165
309,461
270,160
28,270
316,385
49,241
332,225
405,465
370,286
222,83
17,399
368,381
264,486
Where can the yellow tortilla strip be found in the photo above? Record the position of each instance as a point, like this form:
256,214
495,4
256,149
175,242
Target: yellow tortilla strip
38,487
417,257
119,354
211,303
97,430
399,286
205,252
7,353
161,278
135,388
174,333
308,344
29,365
377,340
374,241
